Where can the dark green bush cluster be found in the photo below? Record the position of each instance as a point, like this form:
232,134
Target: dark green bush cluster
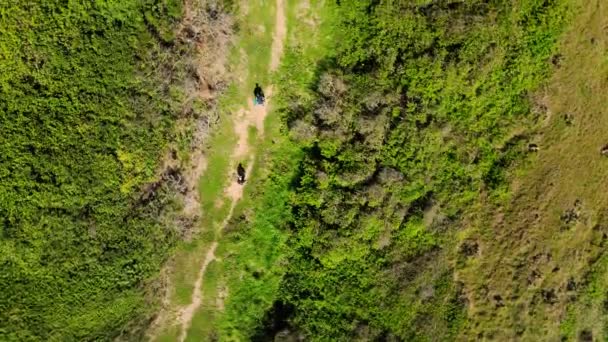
412,118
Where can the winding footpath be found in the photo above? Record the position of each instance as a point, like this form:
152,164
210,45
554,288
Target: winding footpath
252,116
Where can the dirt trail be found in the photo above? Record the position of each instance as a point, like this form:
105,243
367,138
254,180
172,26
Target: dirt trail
254,115
280,32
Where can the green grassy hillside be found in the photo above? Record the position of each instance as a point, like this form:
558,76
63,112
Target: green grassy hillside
88,99
413,124
428,171
414,118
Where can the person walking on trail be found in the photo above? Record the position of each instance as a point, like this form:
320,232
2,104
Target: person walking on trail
258,94
240,173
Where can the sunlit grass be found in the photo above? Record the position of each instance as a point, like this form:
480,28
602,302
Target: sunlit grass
249,65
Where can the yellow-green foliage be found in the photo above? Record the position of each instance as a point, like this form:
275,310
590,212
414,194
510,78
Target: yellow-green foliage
83,121
408,111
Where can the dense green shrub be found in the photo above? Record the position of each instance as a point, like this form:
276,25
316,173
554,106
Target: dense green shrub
85,113
407,126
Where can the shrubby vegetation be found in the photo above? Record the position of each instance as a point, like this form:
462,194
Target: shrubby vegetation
89,95
256,268
407,123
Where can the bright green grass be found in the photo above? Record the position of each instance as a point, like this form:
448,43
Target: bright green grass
256,246
187,264
254,250
253,48
256,43
169,335
212,184
200,329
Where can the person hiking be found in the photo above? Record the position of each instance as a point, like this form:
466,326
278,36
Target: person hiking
240,172
258,94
